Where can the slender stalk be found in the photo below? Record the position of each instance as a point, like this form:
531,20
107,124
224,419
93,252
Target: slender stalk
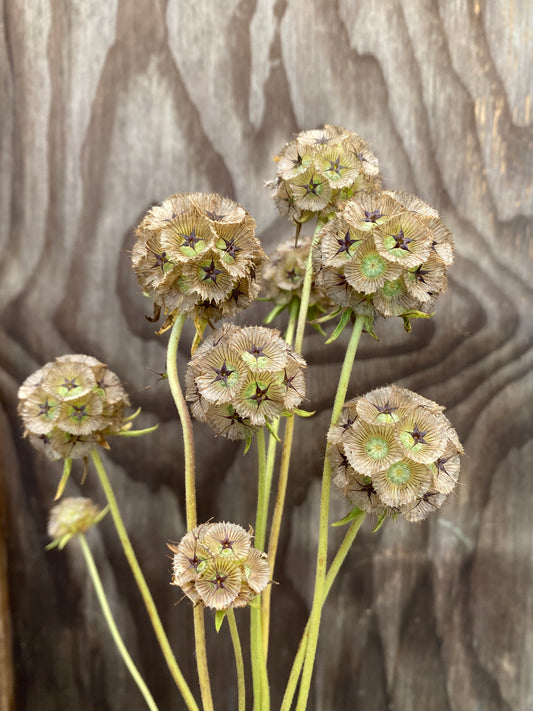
201,658
141,583
259,670
280,495
261,519
306,292
190,498
322,552
106,610
239,663
330,579
185,419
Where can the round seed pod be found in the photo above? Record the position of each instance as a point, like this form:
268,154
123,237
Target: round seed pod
394,452
216,566
197,253
319,170
239,379
71,405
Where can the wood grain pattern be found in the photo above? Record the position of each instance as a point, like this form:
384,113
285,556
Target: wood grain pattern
108,107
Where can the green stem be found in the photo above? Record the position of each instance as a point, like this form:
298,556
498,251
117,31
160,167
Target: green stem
102,599
336,564
282,489
259,670
306,292
141,583
239,663
190,498
261,518
201,657
185,419
322,552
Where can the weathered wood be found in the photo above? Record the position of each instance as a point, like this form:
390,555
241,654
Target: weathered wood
108,107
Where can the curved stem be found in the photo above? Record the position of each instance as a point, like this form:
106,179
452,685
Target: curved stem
322,552
108,615
239,663
336,564
141,583
190,498
185,419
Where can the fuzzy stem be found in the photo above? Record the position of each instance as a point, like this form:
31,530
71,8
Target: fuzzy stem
239,663
106,610
259,670
322,552
201,658
141,583
336,564
190,498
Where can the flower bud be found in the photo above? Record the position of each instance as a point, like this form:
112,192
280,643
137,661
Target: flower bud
71,516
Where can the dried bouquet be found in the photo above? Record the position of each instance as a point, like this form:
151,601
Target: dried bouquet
390,452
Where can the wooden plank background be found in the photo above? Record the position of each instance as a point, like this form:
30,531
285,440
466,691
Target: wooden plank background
108,107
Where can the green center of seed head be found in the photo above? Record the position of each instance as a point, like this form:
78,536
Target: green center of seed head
392,288
399,473
377,448
373,265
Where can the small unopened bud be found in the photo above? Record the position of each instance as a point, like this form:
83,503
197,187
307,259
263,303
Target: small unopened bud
70,517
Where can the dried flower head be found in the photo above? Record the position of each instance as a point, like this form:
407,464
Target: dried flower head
239,379
284,273
394,451
70,405
386,253
320,169
216,566
197,253
71,516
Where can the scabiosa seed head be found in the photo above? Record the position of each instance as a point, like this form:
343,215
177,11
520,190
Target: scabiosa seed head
385,253
71,516
394,452
319,170
216,566
284,273
197,253
70,405
239,379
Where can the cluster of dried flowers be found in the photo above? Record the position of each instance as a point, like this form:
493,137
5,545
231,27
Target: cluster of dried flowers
216,565
283,276
320,169
197,253
240,379
385,253
394,452
70,405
